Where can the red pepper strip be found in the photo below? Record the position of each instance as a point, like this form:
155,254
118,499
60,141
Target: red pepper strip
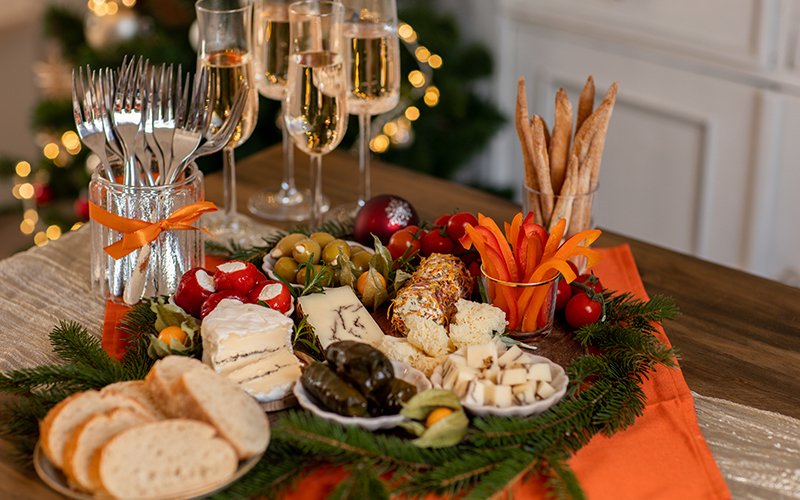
505,249
554,240
592,256
512,230
492,264
543,272
534,256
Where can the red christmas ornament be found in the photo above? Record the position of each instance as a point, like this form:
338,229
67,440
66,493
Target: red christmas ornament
43,193
383,215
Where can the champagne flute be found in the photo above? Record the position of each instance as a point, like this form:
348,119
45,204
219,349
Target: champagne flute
225,49
370,28
271,48
315,106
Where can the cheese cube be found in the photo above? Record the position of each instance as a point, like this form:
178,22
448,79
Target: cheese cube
510,357
458,379
524,393
502,396
481,356
545,390
540,372
488,392
476,393
513,376
491,373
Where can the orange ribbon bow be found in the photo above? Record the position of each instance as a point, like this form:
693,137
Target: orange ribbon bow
138,233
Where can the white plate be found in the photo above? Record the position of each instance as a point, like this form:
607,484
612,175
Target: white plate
401,371
53,477
269,262
560,382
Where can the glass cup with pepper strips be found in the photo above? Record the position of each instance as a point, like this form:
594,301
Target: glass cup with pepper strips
529,307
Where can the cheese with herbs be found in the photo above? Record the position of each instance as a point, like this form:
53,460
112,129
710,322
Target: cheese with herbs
337,314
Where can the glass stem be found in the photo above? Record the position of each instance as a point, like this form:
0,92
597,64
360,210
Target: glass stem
363,158
287,183
229,183
316,194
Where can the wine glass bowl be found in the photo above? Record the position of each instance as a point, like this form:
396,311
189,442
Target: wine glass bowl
225,51
315,104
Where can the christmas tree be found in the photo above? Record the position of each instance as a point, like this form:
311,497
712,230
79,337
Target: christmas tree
439,124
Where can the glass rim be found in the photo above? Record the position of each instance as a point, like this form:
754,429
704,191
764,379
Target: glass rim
336,8
194,174
246,4
591,192
517,284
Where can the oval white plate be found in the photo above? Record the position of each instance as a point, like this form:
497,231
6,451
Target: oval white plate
269,262
401,371
560,382
53,477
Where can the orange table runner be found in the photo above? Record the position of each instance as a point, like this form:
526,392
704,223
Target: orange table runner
663,455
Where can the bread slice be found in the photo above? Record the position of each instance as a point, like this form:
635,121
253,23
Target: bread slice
163,377
163,459
62,419
89,436
138,390
212,398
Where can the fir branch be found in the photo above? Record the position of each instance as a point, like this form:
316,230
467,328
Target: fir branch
454,475
561,480
507,473
75,345
139,325
363,482
335,443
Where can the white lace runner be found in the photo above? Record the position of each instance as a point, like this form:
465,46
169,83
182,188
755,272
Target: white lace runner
757,451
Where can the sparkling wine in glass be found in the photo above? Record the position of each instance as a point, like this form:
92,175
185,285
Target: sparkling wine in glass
271,47
373,55
225,49
315,106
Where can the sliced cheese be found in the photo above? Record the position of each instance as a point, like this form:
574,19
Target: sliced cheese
476,393
270,378
545,390
513,376
510,357
503,396
524,393
481,356
337,314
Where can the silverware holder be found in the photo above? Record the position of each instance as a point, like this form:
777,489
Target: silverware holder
171,254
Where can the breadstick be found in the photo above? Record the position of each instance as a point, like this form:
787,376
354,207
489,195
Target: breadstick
546,131
563,208
585,103
599,141
542,163
559,144
525,135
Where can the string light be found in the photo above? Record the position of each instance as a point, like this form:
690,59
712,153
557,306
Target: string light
32,215
71,142
23,169
26,191
40,239
431,96
26,226
435,61
50,150
422,54
53,232
379,143
412,113
76,226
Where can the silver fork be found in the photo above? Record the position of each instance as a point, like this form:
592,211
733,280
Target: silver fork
152,92
127,116
105,94
88,120
164,117
223,135
191,129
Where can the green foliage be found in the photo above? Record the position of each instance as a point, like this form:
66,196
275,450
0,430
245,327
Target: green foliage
362,482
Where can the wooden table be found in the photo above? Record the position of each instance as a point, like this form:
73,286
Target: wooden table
739,334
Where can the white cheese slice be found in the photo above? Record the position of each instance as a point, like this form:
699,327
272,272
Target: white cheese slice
235,334
270,377
337,314
502,396
540,372
476,393
524,393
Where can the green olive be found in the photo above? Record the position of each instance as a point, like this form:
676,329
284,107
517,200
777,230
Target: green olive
286,268
322,238
331,252
325,280
361,261
306,249
286,244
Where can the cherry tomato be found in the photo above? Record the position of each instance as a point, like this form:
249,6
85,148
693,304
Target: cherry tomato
403,242
434,242
441,221
456,223
589,280
581,310
563,294
415,230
